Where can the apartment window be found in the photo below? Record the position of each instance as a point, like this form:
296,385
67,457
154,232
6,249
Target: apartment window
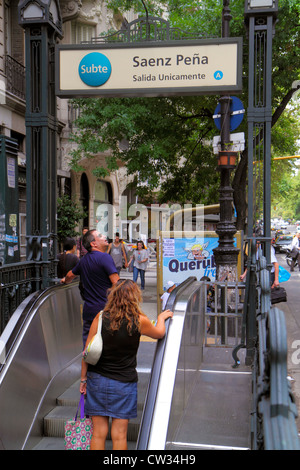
20,138
13,34
82,32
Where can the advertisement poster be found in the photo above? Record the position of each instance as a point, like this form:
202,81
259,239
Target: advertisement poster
186,257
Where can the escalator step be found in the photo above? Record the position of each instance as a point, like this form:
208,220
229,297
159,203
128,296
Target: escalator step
50,443
54,422
57,443
67,403
70,397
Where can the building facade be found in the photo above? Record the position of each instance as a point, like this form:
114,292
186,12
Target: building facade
82,20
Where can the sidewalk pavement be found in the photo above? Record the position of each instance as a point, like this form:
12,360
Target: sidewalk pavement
149,304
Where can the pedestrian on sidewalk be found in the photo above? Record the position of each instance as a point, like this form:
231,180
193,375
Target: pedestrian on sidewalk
274,275
139,259
97,273
81,251
164,298
68,259
117,251
295,251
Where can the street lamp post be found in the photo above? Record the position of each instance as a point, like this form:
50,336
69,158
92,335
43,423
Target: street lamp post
43,25
226,254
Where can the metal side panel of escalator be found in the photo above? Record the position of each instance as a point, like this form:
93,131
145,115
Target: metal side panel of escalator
43,345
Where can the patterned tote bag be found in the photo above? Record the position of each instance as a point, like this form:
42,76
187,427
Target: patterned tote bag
78,432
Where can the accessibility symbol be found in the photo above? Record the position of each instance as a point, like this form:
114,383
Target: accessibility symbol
218,75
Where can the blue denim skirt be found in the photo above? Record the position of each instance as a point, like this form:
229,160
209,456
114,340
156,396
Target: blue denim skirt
108,397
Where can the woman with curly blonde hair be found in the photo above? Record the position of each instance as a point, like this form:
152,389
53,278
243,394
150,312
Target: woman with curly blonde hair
111,384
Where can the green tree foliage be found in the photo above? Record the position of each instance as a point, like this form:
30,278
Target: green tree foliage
69,215
286,202
163,141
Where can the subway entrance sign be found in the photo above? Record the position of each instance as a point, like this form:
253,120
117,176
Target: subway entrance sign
190,67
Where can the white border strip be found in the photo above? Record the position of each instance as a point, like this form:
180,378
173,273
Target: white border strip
191,445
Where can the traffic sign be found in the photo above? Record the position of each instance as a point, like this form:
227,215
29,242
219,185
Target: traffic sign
237,112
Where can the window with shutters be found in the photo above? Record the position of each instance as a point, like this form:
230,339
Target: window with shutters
82,32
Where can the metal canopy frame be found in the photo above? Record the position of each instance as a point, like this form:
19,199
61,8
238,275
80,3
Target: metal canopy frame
261,25
148,28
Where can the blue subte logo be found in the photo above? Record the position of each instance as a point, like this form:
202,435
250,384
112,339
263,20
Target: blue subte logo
94,69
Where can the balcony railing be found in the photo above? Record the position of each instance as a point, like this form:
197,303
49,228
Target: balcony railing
15,76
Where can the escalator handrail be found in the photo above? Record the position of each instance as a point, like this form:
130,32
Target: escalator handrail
20,317
146,420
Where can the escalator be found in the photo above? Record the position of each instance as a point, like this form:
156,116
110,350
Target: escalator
188,397
196,399
42,358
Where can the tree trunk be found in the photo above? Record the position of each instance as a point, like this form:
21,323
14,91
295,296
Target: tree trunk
239,183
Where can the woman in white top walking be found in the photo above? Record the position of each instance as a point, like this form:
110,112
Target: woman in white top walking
140,263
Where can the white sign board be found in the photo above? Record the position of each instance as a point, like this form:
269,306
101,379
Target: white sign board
176,68
237,141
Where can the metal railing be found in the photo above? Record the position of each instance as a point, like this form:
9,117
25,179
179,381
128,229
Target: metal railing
15,77
147,28
18,281
223,311
274,410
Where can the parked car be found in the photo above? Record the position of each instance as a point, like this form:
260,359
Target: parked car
278,233
282,243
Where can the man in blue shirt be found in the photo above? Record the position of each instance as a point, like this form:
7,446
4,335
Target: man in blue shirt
97,273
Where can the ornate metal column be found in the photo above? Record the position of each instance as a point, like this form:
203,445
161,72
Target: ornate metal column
260,16
42,23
